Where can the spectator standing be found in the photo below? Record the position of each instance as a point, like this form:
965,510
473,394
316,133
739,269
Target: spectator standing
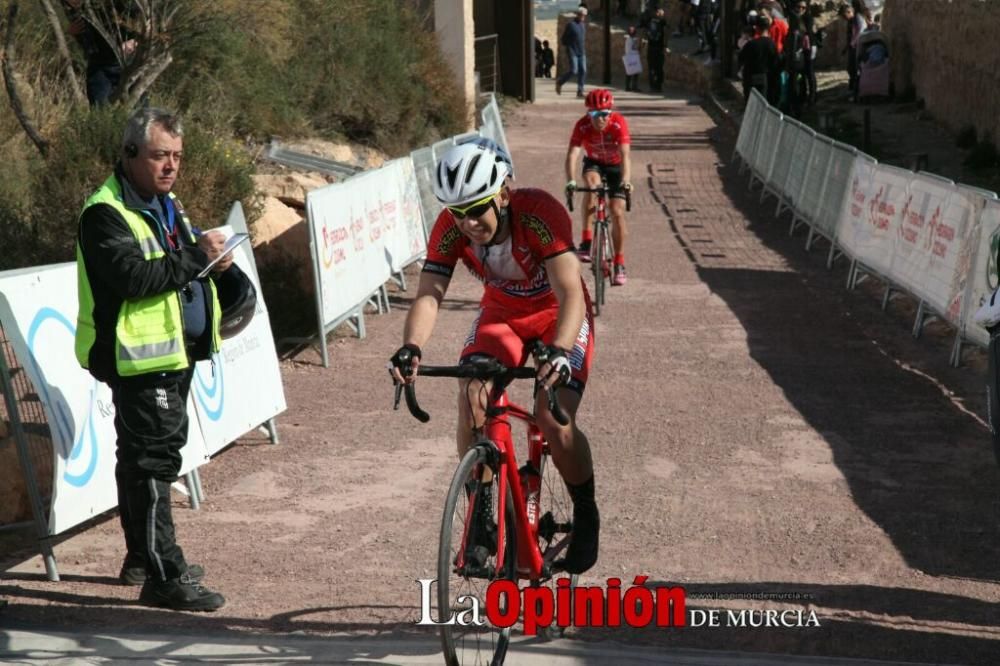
633,48
145,318
685,19
539,62
778,29
855,26
574,40
797,47
104,70
706,17
808,26
656,44
759,59
548,59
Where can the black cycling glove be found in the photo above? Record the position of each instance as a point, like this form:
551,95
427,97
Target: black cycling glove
403,358
559,365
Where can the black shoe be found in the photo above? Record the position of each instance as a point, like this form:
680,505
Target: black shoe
134,571
184,593
583,544
482,542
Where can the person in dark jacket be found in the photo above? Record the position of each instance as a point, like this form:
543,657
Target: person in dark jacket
548,59
145,318
759,60
656,44
574,40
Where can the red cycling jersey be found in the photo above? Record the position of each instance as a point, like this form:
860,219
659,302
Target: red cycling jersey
518,303
513,271
603,147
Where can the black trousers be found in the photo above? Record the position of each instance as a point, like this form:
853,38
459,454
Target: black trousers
151,422
655,56
853,75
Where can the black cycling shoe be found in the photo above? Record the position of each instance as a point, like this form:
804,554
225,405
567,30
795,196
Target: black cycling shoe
134,571
482,543
583,544
182,593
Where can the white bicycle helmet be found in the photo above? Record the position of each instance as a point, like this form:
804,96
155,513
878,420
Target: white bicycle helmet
489,143
470,171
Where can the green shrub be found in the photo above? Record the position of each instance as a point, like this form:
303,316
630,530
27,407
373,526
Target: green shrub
215,173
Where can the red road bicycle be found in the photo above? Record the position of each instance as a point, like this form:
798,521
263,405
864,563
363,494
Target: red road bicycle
601,249
500,521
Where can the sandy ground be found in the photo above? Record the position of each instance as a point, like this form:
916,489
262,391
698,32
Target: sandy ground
758,432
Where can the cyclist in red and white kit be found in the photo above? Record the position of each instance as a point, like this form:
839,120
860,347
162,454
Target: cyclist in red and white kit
603,134
520,244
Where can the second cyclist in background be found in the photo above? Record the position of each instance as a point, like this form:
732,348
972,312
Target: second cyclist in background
603,134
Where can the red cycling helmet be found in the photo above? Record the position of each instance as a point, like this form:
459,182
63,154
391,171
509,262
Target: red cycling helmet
600,100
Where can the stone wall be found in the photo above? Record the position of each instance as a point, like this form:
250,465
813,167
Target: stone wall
947,52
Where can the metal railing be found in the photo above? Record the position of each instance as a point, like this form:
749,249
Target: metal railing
487,63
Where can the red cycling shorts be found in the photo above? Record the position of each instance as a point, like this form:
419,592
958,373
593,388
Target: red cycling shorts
504,334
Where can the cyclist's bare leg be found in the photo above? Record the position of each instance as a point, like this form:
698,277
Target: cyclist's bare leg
618,228
570,447
571,454
591,179
472,395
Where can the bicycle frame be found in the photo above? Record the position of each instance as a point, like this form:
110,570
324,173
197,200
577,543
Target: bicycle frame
497,432
496,436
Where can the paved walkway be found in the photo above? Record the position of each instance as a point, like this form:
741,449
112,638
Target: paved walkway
61,648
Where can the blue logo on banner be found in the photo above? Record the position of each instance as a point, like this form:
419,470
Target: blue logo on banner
211,394
63,419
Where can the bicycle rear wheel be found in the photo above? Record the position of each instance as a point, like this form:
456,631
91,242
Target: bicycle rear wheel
554,528
459,590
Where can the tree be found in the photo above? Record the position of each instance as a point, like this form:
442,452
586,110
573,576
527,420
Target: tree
141,34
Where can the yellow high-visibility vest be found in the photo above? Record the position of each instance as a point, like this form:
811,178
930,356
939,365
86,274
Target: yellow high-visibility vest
149,333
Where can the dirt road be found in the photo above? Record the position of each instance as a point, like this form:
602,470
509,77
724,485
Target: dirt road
758,431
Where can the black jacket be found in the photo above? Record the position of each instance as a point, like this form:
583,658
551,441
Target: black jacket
118,270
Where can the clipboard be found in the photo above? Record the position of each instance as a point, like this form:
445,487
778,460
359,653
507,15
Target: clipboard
231,243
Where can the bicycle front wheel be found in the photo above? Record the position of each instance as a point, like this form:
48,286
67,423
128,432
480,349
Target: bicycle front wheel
598,267
464,573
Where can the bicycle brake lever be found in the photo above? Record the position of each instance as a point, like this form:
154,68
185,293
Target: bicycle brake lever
399,396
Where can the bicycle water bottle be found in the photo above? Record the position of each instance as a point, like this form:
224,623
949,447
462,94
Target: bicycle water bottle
531,486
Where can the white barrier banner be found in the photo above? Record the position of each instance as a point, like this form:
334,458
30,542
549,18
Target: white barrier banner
38,308
423,173
835,186
790,132
240,388
493,124
750,126
951,253
798,162
866,229
812,188
402,220
923,240
767,143
346,224
984,271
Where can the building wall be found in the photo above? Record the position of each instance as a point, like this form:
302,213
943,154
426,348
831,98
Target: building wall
455,31
947,52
